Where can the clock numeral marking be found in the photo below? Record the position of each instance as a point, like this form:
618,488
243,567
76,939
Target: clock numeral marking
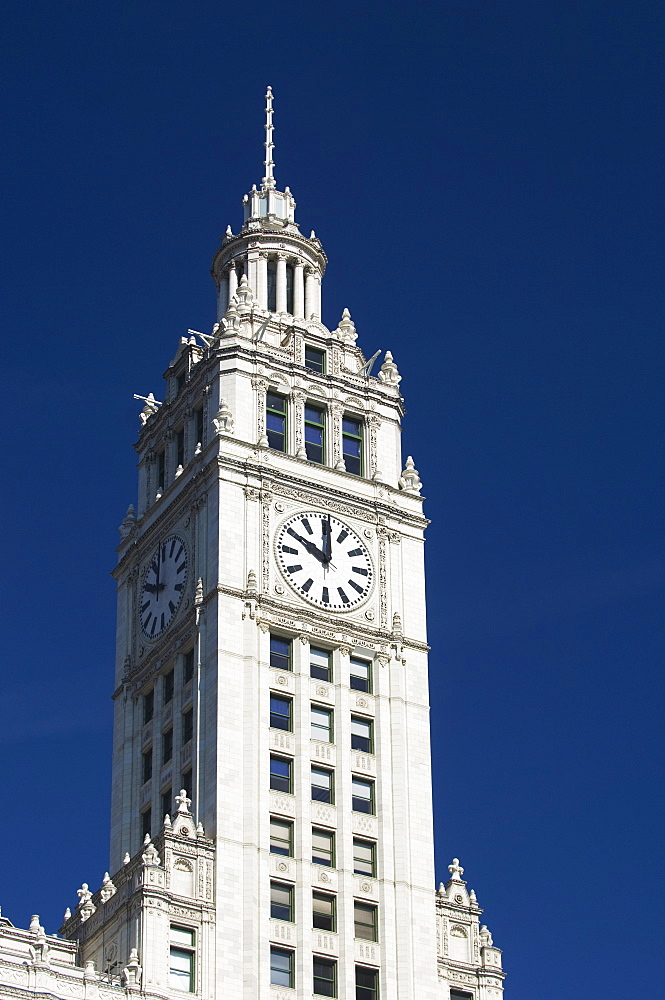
180,568
154,626
163,553
154,565
162,622
355,552
146,623
324,596
307,585
357,569
179,553
352,583
172,607
173,541
291,552
342,535
306,525
178,586
342,595
144,607
293,569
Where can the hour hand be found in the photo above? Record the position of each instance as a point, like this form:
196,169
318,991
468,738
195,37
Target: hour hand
313,549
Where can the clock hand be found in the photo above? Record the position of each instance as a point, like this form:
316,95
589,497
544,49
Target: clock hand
327,538
311,548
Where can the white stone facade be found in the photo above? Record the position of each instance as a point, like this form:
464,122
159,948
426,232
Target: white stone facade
194,684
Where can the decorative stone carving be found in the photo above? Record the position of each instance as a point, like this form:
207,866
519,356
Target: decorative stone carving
486,940
132,973
151,406
183,802
388,372
456,871
410,480
150,856
223,422
108,889
128,522
86,907
346,331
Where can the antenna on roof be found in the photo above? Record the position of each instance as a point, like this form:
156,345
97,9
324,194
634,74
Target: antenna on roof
269,179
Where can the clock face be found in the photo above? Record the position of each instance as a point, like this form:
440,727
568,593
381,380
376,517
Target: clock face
163,586
324,560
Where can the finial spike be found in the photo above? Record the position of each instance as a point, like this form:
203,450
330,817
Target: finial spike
269,179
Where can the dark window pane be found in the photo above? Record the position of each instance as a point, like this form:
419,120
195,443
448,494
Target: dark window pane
323,847
147,765
167,746
323,911
167,800
361,734
280,653
148,706
276,421
364,921
289,288
281,967
322,785
361,675
281,837
362,795
146,822
187,726
315,360
168,687
325,976
272,285
367,983
280,774
280,713
281,901
364,854
319,664
188,667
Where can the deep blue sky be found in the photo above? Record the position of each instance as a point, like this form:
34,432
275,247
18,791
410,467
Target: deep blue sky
486,180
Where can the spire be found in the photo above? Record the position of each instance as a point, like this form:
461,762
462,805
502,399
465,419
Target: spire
269,179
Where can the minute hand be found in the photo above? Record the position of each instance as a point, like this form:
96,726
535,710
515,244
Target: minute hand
313,549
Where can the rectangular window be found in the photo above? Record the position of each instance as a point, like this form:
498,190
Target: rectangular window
198,425
188,667
361,675
364,921
323,847
323,911
147,765
280,653
362,793
325,976
281,837
323,785
280,713
281,901
281,967
161,469
148,706
364,857
362,734
352,445
186,782
146,821
320,664
322,724
167,746
180,447
187,726
168,687
281,774
289,288
167,800
460,995
315,434
181,965
315,360
180,382
272,286
367,983
276,421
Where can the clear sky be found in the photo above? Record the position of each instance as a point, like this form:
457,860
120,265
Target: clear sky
486,181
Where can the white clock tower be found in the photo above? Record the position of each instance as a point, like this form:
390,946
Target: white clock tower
271,814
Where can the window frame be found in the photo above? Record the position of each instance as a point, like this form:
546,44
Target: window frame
289,779
367,992
372,845
365,747
275,950
358,660
360,438
316,728
283,887
274,698
284,416
286,824
324,675
322,355
316,769
332,899
360,905
331,963
274,637
186,950
320,427
330,835
356,779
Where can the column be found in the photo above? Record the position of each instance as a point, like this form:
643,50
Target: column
262,280
222,296
317,294
310,292
281,282
298,290
232,280
251,269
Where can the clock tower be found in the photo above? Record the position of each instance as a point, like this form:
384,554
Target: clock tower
271,827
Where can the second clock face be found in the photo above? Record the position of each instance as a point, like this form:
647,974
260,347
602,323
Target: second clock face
163,586
324,561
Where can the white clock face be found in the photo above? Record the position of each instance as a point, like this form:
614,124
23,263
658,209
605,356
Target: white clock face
163,586
324,561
